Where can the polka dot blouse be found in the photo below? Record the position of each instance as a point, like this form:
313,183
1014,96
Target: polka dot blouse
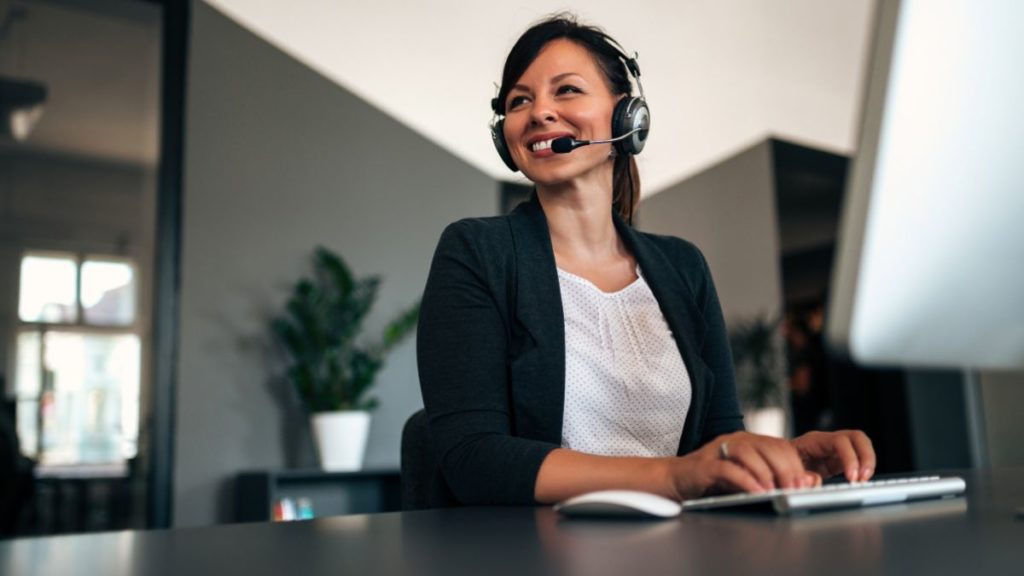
627,391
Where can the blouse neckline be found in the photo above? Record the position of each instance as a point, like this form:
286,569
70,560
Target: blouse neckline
581,280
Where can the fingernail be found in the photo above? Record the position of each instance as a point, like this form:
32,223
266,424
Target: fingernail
851,474
865,473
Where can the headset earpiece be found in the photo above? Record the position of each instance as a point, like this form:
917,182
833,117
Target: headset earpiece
631,113
498,137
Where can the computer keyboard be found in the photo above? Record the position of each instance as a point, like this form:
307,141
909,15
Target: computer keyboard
844,495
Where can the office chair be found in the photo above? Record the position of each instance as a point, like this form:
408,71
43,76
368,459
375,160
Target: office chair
16,472
423,486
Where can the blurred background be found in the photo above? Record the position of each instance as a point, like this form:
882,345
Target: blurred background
168,168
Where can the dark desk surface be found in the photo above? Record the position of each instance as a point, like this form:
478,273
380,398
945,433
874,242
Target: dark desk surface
976,535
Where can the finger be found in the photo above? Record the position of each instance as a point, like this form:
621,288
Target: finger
735,476
865,454
785,463
750,458
821,468
843,450
815,450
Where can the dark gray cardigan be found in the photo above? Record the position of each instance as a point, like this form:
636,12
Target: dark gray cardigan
491,349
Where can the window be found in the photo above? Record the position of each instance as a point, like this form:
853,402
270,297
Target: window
47,291
78,361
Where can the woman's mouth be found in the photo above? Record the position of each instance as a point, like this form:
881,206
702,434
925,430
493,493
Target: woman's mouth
541,147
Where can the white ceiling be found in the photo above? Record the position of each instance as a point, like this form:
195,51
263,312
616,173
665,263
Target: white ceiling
719,75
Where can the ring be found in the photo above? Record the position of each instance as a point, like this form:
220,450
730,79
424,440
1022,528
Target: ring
723,450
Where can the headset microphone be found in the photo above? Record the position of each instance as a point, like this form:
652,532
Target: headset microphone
567,144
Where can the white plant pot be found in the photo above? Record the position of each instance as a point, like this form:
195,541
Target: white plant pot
766,421
341,439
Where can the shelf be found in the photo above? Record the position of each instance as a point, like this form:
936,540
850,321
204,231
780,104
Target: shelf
325,493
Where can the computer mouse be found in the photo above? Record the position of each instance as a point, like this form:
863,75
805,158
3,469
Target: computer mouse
619,504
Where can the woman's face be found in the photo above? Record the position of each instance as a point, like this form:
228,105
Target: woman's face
562,93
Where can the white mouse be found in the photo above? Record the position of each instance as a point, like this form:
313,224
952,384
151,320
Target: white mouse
620,503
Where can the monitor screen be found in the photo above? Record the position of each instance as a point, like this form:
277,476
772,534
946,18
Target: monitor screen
930,262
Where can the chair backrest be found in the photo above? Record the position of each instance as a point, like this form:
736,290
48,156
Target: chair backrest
423,486
17,480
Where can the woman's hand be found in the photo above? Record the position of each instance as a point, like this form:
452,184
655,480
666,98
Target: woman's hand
747,463
847,452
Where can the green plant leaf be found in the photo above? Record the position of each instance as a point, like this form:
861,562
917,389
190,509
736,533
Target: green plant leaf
289,337
401,327
364,367
334,272
323,318
304,384
756,356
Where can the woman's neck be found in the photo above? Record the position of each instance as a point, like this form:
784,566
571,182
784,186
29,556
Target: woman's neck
579,216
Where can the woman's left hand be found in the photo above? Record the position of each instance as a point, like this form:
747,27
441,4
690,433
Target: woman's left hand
847,452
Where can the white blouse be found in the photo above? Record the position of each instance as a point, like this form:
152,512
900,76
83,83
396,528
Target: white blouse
627,391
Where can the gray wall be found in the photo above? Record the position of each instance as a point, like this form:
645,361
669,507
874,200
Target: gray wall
278,159
728,211
1002,394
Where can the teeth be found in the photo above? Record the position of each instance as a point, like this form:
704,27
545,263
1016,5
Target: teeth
542,145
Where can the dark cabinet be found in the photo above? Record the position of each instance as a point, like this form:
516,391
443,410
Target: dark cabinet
299,494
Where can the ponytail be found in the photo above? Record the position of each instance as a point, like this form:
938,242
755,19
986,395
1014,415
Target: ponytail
625,187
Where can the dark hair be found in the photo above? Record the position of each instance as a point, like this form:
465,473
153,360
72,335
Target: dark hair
608,55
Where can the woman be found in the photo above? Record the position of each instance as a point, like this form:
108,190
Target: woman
560,350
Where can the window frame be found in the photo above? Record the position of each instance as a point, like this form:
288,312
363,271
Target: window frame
79,326
80,258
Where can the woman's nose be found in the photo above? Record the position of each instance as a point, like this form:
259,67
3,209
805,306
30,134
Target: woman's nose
543,112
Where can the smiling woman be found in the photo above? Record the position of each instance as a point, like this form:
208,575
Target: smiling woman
560,350
545,105
561,67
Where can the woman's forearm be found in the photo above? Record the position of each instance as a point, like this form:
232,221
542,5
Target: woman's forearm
753,463
567,473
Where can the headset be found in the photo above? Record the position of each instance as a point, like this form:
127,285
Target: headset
631,121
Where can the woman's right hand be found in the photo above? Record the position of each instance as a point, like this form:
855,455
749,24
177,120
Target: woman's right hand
748,463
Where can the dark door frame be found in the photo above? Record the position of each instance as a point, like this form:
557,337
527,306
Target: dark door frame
176,28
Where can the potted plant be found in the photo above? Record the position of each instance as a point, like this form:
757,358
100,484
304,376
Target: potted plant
331,370
759,376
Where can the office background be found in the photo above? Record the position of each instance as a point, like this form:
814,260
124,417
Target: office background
279,157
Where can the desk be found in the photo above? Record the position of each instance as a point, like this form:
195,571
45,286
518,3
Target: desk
978,535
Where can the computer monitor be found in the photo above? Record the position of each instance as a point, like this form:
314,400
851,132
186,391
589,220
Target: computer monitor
930,262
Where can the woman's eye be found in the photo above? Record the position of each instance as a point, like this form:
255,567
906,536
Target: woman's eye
569,89
516,102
